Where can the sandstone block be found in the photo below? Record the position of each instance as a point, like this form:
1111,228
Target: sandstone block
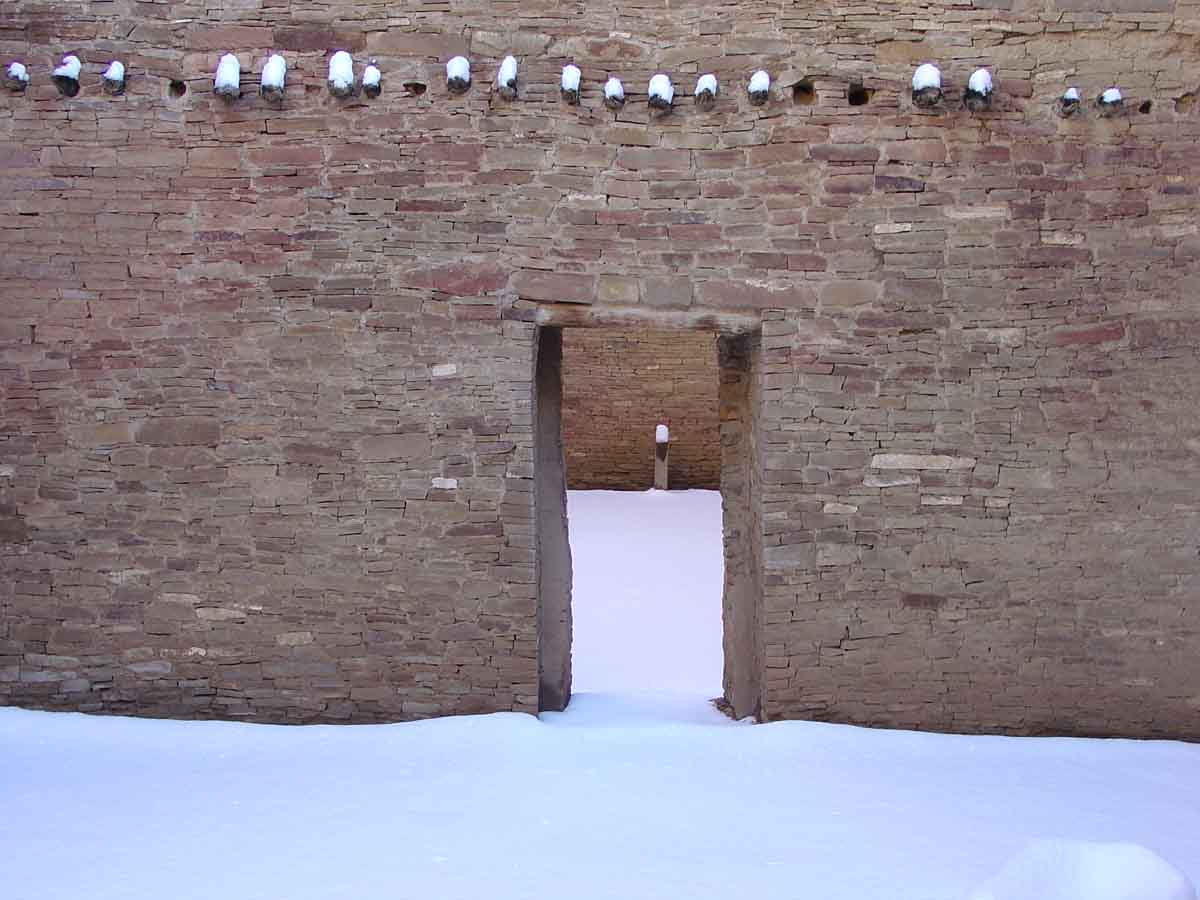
935,462
395,448
179,431
554,287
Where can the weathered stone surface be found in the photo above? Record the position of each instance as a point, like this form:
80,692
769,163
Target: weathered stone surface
179,431
920,461
267,372
395,448
554,287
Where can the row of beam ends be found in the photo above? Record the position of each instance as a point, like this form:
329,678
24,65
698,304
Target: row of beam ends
926,84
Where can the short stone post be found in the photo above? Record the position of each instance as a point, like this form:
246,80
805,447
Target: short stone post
662,450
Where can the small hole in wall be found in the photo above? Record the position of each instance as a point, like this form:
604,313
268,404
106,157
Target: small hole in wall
804,93
1186,103
1146,106
415,88
177,88
859,95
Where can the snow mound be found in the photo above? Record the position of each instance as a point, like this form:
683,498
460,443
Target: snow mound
926,76
980,81
1086,870
570,78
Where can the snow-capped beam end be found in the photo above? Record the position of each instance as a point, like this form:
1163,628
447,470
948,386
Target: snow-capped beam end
114,78
706,91
372,80
1110,103
506,78
1068,104
274,79
569,86
614,93
16,77
458,75
662,94
978,95
341,75
927,86
66,76
228,81
759,88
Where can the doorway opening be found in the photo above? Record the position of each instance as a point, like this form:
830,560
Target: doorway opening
643,590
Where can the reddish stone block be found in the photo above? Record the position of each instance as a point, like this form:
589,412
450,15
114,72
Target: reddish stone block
554,287
1104,333
179,431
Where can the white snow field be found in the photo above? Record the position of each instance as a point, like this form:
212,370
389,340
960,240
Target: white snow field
624,795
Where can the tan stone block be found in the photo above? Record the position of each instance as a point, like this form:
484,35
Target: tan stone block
395,448
936,462
554,287
621,290
179,431
107,434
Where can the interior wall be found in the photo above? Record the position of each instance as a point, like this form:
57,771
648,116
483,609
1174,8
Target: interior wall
618,384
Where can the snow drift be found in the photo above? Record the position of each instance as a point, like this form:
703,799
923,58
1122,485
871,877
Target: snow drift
1085,870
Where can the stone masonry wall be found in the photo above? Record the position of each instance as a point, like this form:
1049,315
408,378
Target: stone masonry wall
618,384
265,373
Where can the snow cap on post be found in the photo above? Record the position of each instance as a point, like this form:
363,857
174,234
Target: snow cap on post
66,76
227,84
978,96
372,80
506,78
927,86
1068,103
274,77
614,93
662,93
114,78
570,84
458,75
760,87
16,77
706,91
341,74
662,435
1110,102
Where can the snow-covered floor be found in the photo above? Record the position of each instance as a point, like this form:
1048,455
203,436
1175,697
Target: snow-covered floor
622,796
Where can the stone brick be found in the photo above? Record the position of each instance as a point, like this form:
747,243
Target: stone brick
179,431
554,287
395,448
280,361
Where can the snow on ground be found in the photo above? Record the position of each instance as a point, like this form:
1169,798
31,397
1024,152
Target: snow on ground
648,795
647,592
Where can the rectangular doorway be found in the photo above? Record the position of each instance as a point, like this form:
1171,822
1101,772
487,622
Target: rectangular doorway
668,582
